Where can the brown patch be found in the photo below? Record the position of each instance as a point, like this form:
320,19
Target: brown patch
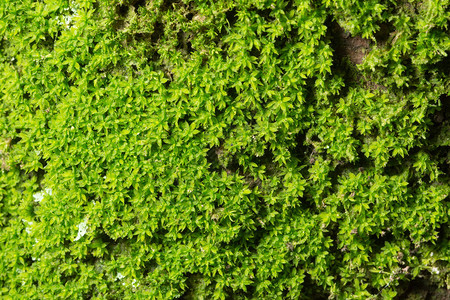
290,246
374,86
4,155
199,18
4,164
355,48
252,182
119,25
409,8
217,214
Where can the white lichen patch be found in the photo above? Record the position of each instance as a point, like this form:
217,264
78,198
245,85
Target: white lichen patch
82,229
120,276
28,229
134,283
71,13
39,196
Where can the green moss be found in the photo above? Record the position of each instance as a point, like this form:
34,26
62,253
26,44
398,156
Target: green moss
227,149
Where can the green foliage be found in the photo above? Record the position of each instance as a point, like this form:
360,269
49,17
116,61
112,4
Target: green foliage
222,149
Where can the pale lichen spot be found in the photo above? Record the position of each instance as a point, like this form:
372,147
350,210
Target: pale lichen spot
82,229
39,196
134,283
120,276
435,270
28,229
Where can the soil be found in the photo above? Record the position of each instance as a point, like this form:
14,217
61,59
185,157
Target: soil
354,48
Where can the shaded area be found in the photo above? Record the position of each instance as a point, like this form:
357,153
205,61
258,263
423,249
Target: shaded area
422,289
347,46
